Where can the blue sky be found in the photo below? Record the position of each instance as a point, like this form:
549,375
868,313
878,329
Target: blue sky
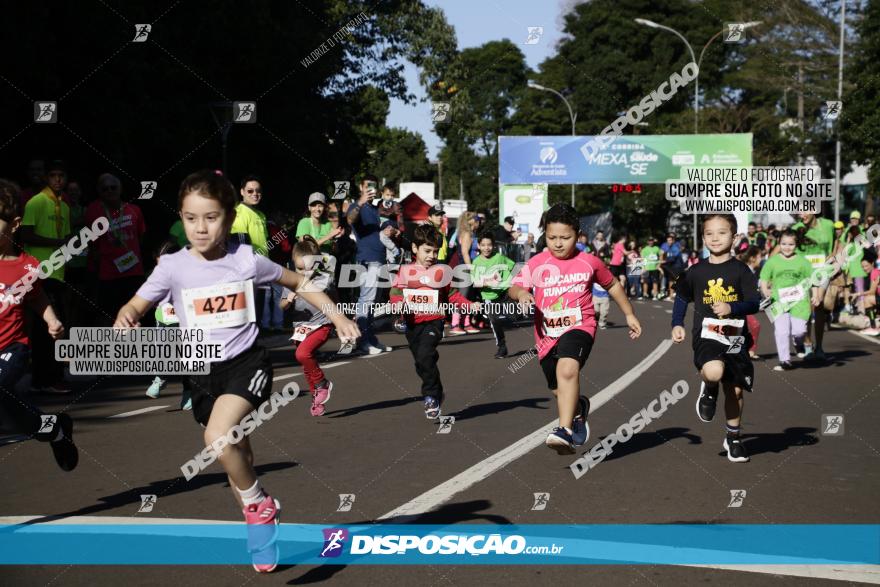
477,22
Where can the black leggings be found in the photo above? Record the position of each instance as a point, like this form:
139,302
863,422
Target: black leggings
24,416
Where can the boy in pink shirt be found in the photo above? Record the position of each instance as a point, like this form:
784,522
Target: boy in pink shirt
565,322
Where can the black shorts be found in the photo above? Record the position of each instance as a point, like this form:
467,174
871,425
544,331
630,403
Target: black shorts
574,344
738,367
249,376
651,277
618,270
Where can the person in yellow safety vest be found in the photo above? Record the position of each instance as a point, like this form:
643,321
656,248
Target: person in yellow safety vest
248,219
435,219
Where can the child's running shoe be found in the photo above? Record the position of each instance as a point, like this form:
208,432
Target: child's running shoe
65,452
155,387
187,405
501,352
580,430
736,451
784,366
322,391
471,329
456,331
560,441
317,409
432,408
707,402
262,521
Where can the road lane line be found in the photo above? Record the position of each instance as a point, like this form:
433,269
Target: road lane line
137,412
464,480
873,339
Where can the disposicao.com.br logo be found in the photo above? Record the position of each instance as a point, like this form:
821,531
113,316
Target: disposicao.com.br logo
429,544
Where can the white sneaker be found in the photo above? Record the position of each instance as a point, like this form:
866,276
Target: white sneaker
371,350
383,348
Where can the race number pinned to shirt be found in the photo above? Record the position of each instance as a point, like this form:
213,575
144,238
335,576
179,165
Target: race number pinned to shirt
222,305
422,301
816,260
791,295
168,315
726,332
301,331
125,262
558,322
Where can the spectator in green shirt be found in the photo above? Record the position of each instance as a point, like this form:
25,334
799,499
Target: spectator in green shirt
250,225
316,225
651,269
45,227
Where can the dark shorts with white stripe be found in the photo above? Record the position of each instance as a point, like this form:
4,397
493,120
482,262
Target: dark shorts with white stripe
248,375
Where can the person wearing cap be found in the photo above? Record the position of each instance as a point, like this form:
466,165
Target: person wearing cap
316,225
838,230
855,219
435,219
45,227
651,270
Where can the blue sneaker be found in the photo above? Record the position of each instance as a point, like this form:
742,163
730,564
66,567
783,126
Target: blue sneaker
187,405
432,408
560,441
580,430
155,387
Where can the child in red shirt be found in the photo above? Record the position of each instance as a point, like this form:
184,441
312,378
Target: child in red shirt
421,287
16,290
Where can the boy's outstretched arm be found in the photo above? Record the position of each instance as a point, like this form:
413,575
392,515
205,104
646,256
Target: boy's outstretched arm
615,290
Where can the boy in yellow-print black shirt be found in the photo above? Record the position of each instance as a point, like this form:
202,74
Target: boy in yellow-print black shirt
723,290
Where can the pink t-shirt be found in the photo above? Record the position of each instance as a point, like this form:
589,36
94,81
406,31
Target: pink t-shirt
617,254
563,291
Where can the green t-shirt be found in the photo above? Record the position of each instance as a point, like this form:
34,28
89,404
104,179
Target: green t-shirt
782,273
822,236
854,267
307,227
651,256
252,222
51,219
497,264
178,233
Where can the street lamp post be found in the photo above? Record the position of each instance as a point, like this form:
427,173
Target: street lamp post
654,25
571,114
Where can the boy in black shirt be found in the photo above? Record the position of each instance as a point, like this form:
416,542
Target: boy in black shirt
724,290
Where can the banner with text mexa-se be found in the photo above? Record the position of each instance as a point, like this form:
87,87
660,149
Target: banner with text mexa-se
626,159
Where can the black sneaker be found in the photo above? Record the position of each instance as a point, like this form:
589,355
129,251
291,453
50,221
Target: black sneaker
66,454
784,366
736,450
706,402
580,430
501,352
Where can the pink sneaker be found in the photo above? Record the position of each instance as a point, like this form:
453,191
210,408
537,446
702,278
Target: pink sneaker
471,329
262,520
322,391
317,409
456,330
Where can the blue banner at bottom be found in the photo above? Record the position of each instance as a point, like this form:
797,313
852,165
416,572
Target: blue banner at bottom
207,544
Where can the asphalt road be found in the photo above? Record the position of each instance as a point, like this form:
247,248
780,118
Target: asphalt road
375,442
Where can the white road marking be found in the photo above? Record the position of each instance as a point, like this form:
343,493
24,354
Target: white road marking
137,412
464,480
874,339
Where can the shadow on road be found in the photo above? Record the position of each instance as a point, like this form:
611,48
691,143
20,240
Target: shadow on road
160,489
649,440
497,407
778,441
449,514
392,403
